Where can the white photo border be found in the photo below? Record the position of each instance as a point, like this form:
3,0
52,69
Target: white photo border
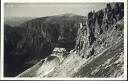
62,1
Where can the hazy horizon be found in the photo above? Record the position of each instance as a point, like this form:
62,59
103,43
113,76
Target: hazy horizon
12,10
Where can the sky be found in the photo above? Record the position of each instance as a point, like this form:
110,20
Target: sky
49,9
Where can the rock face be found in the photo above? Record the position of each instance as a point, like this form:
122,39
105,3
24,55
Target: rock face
101,30
100,41
35,39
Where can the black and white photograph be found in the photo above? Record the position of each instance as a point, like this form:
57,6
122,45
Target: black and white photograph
63,40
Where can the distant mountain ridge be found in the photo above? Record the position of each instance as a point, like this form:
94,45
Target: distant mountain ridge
16,21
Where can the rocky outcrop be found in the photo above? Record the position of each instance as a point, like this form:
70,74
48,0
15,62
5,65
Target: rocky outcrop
100,30
101,43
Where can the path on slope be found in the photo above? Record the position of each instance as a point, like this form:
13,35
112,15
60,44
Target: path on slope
48,66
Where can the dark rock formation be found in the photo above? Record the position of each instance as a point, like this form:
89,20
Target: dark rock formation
102,43
99,24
